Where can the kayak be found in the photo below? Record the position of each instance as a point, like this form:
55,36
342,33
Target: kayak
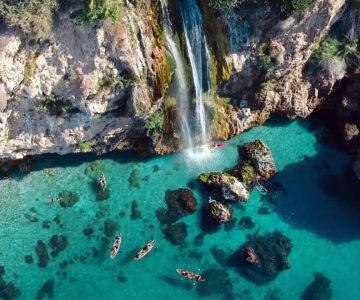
116,246
218,145
145,250
190,275
52,200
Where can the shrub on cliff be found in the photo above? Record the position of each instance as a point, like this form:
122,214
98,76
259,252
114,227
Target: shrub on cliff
155,122
97,10
295,6
33,17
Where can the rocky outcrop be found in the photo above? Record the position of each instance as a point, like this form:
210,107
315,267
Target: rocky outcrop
318,289
259,156
86,88
230,187
217,212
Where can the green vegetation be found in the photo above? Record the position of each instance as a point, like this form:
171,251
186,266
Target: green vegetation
169,102
33,17
97,10
84,146
264,60
30,67
204,177
247,172
54,105
155,122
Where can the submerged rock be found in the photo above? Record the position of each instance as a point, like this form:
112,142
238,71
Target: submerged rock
28,259
259,155
95,169
88,231
46,289
217,282
58,243
230,187
175,233
110,227
8,291
42,253
68,199
31,217
217,212
246,223
103,194
180,202
267,259
135,212
319,289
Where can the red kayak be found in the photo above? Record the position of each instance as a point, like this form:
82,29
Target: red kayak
147,248
116,246
219,145
190,275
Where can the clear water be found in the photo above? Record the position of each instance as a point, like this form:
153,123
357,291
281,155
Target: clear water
313,212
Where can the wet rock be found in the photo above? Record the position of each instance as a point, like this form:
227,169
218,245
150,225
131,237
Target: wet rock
230,187
58,243
350,132
9,291
217,282
88,231
319,289
217,212
47,289
135,212
110,227
96,168
246,223
46,224
259,155
175,233
68,199
42,253
31,217
28,259
103,194
271,251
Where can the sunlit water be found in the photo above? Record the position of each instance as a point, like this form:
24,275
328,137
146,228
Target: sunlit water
313,211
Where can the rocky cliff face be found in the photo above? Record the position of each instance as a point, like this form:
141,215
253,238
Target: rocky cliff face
85,88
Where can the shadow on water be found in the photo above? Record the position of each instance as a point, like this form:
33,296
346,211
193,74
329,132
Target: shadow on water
331,209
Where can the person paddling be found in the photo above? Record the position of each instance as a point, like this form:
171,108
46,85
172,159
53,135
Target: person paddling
102,182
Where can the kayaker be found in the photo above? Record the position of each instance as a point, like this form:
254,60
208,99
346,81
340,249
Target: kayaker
102,181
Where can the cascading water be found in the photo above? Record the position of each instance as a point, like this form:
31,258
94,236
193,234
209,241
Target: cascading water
198,54
181,90
193,126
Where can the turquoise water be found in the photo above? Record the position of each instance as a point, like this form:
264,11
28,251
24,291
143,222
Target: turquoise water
314,210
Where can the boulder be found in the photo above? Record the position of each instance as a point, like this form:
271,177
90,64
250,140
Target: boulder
217,212
259,155
262,258
229,186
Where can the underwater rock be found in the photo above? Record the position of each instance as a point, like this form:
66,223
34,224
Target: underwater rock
259,155
46,224
31,217
246,223
231,188
230,225
219,255
103,194
267,260
319,289
180,202
63,265
164,217
68,199
121,277
88,231
46,289
217,282
102,212
95,169
8,291
175,233
135,212
217,212
28,259
42,253
110,227
2,270
134,179
58,243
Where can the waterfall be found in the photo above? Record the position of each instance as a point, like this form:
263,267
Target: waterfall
193,126
199,56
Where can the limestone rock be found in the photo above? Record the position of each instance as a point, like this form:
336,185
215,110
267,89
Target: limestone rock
217,212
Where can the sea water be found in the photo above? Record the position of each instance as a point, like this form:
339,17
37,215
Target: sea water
314,209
